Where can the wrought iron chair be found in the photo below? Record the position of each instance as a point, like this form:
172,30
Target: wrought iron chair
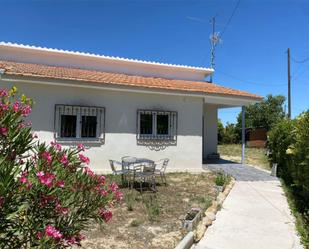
160,167
123,172
144,172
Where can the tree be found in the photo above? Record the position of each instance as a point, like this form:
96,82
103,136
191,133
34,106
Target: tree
265,114
220,131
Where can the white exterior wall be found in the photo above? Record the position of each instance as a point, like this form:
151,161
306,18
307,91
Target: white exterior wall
210,129
120,123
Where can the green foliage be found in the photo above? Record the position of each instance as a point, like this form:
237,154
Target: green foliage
265,114
227,134
222,179
289,144
152,207
136,223
47,194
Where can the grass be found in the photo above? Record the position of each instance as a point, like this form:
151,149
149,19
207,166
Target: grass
154,220
301,219
253,156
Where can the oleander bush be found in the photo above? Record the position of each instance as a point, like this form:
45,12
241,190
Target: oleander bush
289,143
48,195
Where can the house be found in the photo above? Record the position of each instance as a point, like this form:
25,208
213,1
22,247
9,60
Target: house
120,107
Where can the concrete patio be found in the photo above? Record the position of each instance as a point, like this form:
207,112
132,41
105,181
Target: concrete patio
255,215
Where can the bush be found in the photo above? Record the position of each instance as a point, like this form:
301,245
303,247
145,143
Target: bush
289,144
47,194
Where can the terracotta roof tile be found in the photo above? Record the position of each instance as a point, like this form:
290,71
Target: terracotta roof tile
65,73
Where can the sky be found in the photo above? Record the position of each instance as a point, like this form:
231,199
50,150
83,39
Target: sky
251,56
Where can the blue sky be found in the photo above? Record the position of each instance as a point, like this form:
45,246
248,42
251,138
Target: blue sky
251,56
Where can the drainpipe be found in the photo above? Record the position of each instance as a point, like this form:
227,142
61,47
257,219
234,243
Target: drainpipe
243,133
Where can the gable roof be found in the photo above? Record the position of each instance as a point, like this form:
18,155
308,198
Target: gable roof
39,71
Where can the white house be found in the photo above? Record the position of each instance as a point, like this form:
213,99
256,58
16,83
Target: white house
120,107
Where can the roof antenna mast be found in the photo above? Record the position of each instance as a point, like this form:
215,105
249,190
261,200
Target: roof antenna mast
214,40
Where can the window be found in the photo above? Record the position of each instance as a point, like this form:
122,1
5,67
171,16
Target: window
84,123
157,125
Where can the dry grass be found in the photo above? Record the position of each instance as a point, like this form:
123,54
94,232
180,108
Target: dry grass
154,220
253,156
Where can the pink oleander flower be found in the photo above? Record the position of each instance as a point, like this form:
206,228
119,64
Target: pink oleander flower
64,160
113,187
46,179
21,126
16,106
52,232
4,131
56,146
105,214
102,179
25,111
84,159
103,192
4,93
60,184
61,210
23,178
47,156
89,172
119,196
4,107
39,235
80,147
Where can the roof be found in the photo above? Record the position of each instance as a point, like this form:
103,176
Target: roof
117,58
117,79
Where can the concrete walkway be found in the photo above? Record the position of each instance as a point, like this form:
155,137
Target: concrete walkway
255,215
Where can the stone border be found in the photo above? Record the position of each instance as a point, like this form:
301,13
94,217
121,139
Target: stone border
210,216
210,213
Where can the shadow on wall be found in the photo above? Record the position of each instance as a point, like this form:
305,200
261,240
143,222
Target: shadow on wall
240,172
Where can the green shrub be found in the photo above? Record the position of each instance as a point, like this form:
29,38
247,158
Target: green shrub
222,179
289,144
152,207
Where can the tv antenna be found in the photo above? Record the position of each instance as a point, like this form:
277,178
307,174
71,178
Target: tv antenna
214,40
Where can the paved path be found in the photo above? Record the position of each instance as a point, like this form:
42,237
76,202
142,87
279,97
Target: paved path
255,215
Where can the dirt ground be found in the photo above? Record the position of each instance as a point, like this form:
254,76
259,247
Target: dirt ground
154,220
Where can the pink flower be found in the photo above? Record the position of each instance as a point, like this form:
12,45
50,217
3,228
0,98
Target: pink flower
84,159
21,126
113,187
3,93
80,147
89,172
46,179
102,179
4,131
4,107
39,235
60,184
23,178
52,232
61,210
56,145
16,106
119,196
25,111
47,156
105,214
103,192
64,160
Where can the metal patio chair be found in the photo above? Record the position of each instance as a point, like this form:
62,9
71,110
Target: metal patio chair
144,172
160,168
122,171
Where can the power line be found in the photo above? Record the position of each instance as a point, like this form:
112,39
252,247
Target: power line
231,17
299,61
249,81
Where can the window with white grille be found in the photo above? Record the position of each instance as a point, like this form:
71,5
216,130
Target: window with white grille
83,123
156,125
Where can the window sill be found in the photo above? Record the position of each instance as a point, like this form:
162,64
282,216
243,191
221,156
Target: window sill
76,141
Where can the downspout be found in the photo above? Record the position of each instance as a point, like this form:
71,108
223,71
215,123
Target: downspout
243,134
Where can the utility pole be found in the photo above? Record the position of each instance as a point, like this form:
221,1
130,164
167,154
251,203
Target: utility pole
289,85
